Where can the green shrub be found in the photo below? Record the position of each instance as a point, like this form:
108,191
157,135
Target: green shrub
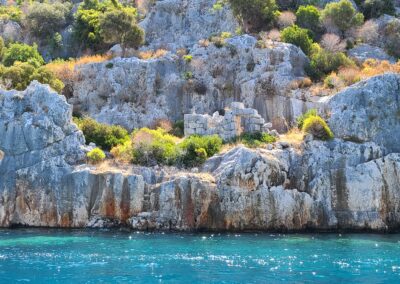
23,53
258,13
20,75
96,155
196,149
10,12
297,36
309,17
323,62
256,139
188,58
103,135
342,14
316,126
44,19
152,147
301,118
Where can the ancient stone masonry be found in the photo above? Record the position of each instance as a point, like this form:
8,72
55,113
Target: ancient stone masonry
236,120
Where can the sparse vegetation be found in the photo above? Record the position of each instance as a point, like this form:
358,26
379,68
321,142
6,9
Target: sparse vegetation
256,139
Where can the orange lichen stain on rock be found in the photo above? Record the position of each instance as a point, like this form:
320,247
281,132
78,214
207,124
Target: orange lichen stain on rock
109,204
65,220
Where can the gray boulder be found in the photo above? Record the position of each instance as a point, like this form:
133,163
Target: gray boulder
368,111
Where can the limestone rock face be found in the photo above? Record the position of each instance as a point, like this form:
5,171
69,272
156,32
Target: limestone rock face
135,92
364,52
38,143
173,24
369,111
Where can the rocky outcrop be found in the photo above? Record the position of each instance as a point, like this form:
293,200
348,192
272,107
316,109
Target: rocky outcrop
363,52
174,24
38,143
135,92
369,111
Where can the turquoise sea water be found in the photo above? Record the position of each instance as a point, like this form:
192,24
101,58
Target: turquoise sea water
57,256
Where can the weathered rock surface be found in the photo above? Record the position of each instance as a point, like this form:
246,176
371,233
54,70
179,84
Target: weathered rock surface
38,143
364,52
335,185
369,111
173,24
136,92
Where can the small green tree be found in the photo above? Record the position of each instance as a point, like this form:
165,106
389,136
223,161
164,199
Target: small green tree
119,26
297,36
256,13
23,53
309,17
44,19
342,14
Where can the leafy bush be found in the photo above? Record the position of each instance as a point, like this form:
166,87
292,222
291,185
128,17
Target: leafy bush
103,135
342,14
44,19
309,17
20,75
152,147
196,149
10,12
304,116
256,13
96,155
297,36
324,62
316,126
23,53
256,139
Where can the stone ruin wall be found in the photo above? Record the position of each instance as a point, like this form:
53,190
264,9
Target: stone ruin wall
236,120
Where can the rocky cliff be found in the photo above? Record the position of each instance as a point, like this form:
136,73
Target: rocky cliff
344,184
134,92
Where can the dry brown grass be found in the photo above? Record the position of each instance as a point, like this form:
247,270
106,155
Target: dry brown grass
151,54
348,76
294,137
65,70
